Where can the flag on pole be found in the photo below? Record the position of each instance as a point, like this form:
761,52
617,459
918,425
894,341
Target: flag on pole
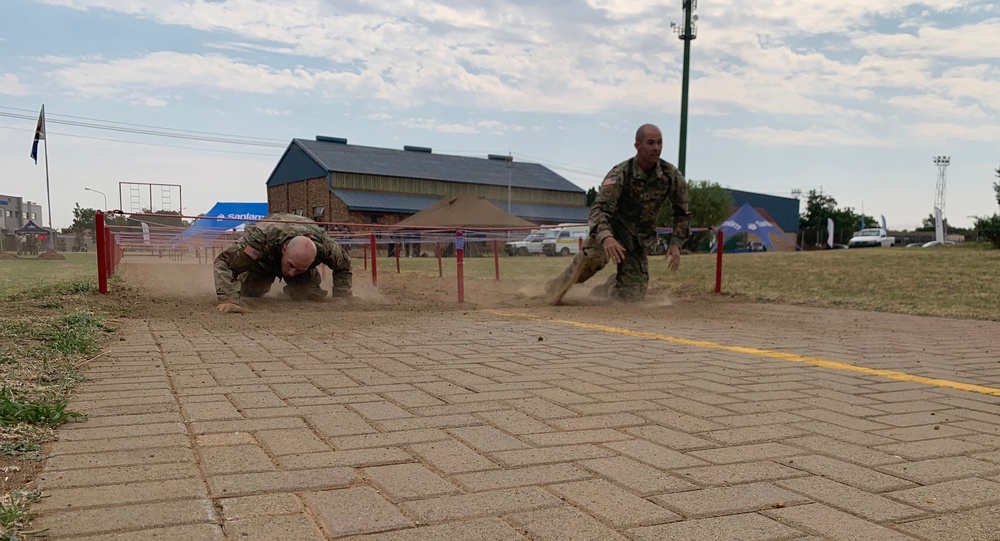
39,135
884,228
829,232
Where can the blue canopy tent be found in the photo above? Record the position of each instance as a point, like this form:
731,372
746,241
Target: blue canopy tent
224,217
746,219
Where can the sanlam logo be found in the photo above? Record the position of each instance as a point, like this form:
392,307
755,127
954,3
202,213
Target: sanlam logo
244,216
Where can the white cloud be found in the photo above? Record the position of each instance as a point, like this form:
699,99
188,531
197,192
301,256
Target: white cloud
971,41
823,61
11,85
810,137
943,131
937,106
273,112
434,125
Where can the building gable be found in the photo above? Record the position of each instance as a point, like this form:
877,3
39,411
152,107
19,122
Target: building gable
295,165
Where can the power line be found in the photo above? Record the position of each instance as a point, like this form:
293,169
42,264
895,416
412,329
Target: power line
153,133
161,128
213,137
144,143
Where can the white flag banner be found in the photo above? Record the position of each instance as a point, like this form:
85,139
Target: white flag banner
145,233
938,226
829,232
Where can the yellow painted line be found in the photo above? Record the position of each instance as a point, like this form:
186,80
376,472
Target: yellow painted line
791,357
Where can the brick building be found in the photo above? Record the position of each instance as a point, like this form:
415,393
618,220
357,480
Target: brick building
329,180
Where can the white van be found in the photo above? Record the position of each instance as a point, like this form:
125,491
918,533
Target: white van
564,239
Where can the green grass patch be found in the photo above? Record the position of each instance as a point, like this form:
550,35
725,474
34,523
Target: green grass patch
32,277
20,449
14,516
15,411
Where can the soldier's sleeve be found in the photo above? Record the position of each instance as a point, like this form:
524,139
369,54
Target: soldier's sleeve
682,215
605,204
228,268
332,255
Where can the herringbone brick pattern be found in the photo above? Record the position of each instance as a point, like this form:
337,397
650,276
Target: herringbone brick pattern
483,426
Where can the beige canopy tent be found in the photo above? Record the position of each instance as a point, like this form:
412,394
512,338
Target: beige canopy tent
464,211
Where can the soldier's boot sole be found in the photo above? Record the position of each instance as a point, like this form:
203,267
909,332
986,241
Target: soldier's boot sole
557,292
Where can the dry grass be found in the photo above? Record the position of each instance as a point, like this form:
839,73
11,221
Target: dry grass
947,281
52,319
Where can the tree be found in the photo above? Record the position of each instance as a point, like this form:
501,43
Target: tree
929,224
83,219
988,227
160,217
591,196
996,187
819,208
709,204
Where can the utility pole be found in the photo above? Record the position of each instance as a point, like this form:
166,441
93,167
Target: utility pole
687,32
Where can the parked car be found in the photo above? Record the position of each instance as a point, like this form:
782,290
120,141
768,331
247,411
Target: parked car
531,245
871,237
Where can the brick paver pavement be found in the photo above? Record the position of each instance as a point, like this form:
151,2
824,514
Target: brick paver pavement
485,425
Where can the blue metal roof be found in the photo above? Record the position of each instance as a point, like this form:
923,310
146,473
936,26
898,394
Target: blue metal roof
418,163
784,210
411,204
385,202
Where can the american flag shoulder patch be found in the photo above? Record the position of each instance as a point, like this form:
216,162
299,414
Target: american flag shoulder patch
609,181
252,253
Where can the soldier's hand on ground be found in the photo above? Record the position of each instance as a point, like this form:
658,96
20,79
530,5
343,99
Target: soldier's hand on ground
613,250
230,308
674,256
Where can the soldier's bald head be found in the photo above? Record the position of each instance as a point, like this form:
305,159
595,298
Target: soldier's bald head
641,134
297,256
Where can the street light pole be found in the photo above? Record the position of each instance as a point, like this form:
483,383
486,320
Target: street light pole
510,167
687,33
102,193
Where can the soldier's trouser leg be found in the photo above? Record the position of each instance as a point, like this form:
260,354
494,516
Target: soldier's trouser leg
632,279
305,286
587,262
256,285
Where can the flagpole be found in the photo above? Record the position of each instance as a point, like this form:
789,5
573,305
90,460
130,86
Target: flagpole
48,194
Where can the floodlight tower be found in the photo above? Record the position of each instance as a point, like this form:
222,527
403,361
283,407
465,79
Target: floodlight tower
687,32
942,163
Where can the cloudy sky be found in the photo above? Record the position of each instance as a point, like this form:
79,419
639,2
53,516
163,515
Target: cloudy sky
850,97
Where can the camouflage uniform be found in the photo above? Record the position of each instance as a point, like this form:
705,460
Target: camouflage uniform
250,265
626,208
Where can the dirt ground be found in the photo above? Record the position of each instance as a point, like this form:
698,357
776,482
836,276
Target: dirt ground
186,290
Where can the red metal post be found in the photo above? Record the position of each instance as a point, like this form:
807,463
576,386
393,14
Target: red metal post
374,263
102,262
496,259
579,243
440,268
397,257
718,263
459,262
108,247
